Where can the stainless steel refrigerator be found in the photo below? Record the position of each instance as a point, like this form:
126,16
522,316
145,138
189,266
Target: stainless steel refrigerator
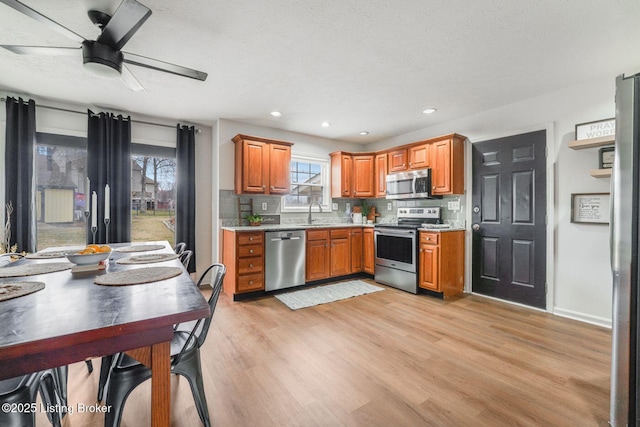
624,229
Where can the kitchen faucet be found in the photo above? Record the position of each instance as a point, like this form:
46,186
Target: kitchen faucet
310,220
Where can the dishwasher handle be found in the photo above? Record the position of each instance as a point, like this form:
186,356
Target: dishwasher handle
278,239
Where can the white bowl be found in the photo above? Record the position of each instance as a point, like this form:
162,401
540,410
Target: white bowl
87,259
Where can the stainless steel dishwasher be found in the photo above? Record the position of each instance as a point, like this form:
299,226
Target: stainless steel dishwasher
284,259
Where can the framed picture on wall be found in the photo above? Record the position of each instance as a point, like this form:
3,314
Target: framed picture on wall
590,208
605,157
597,129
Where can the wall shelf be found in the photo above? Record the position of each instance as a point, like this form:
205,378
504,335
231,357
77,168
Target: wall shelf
600,173
592,142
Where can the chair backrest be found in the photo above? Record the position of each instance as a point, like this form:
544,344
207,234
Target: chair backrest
201,328
179,248
185,258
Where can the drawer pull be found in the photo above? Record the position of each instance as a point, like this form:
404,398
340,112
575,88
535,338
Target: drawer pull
251,282
250,265
250,251
251,238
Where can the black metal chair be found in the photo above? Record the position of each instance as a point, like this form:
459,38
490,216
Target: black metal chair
22,391
126,373
179,248
185,258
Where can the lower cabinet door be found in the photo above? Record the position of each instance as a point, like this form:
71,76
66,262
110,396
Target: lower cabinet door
317,260
429,267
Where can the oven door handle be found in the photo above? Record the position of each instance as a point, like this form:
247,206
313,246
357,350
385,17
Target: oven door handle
396,233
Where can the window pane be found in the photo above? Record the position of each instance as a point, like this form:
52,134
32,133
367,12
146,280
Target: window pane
153,215
307,184
60,195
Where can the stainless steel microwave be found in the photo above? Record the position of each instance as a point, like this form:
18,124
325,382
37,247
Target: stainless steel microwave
409,185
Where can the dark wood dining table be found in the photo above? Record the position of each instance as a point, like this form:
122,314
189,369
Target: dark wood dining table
73,319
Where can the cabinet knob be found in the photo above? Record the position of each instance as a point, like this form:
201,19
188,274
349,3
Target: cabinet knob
250,265
427,238
273,188
251,282
250,251
250,238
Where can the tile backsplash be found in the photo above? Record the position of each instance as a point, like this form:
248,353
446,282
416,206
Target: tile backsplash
229,207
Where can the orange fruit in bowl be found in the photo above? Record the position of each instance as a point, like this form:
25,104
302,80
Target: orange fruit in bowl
105,248
95,247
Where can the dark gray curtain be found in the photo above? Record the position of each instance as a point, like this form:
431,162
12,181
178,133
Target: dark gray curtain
186,190
20,172
109,162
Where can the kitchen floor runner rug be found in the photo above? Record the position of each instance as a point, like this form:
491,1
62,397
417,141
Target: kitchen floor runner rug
325,294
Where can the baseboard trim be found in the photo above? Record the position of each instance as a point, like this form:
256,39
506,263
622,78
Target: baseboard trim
594,320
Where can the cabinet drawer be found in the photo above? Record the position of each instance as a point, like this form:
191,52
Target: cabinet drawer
340,233
250,282
317,234
429,238
250,238
250,251
250,265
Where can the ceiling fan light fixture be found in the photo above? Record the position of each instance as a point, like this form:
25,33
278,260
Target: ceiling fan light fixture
101,60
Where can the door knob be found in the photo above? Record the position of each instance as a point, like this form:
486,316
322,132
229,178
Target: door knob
476,227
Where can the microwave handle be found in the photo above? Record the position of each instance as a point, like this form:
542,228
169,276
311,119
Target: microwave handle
413,184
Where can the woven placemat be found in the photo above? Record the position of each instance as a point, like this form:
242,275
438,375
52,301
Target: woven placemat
138,276
147,258
46,255
17,289
140,248
34,269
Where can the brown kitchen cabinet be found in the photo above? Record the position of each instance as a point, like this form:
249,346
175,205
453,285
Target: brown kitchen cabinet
340,253
419,156
261,165
397,160
442,262
447,166
352,175
356,250
317,261
380,175
368,250
243,255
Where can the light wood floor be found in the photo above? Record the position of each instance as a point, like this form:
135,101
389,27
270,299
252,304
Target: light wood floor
385,359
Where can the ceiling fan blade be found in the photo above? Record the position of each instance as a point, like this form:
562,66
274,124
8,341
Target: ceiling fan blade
42,50
124,23
130,80
166,67
31,13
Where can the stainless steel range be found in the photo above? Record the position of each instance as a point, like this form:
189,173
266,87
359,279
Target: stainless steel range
396,248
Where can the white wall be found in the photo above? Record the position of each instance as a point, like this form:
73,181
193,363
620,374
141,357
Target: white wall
75,124
580,281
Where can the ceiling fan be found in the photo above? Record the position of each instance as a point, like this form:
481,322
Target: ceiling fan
104,56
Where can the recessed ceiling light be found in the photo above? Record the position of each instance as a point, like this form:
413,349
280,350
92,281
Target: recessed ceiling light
364,132
325,124
276,113
429,111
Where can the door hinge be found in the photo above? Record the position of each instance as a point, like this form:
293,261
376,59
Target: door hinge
546,151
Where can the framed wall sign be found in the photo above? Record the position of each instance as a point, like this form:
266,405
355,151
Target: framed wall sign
605,157
590,208
597,129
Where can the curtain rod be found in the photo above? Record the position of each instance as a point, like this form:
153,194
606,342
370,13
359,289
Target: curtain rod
198,130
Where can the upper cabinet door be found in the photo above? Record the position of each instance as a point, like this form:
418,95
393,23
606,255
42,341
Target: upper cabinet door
381,175
397,160
254,167
419,157
279,165
363,171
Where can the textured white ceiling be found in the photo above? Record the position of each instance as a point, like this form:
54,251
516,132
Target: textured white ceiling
369,65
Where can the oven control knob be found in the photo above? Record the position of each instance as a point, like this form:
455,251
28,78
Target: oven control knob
476,227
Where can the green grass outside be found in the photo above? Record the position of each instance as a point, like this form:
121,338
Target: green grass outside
144,227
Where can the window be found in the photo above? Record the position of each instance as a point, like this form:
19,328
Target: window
309,183
60,165
153,189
